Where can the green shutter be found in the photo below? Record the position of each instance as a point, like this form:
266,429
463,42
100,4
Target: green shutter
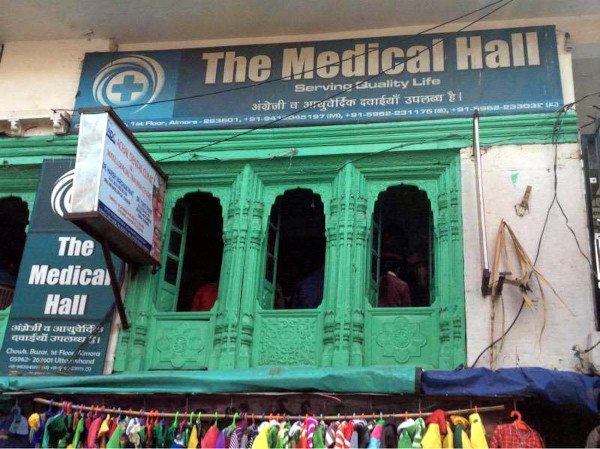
173,254
272,255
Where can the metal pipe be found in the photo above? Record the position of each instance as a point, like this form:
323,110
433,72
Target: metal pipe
263,416
480,202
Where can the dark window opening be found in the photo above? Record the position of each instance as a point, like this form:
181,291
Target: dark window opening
295,247
402,249
14,217
194,252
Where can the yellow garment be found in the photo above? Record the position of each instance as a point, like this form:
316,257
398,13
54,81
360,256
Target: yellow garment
459,420
448,441
193,442
261,441
34,421
478,440
432,438
104,427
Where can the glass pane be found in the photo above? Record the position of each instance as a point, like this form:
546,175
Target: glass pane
175,243
178,216
171,271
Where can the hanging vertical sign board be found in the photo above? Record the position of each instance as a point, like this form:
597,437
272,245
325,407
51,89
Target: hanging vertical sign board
61,313
118,189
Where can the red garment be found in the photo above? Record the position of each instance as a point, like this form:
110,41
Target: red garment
438,417
509,435
205,297
394,292
93,432
211,437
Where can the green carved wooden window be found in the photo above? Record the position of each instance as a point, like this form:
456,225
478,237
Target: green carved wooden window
173,257
401,247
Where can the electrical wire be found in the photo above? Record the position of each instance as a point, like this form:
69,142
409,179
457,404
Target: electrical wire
352,87
293,75
555,200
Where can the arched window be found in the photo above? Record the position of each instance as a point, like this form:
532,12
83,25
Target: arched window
402,258
193,253
295,252
14,217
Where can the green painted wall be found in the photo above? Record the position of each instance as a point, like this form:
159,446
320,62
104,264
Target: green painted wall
348,166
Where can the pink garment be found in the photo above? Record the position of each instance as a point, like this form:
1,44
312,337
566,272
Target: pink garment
93,432
311,426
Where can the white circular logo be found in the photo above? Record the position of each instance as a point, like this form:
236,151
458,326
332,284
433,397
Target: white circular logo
62,193
129,80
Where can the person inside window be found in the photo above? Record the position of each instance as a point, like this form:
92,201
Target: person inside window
206,295
393,291
309,293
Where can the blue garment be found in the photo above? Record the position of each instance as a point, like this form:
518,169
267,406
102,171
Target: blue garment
309,292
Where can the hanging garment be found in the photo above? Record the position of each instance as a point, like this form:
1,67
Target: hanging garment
311,427
103,432
448,440
509,435
318,441
272,435
390,437
248,436
92,432
436,428
211,437
411,433
362,430
461,439
77,434
222,440
478,439
330,434
115,440
341,442
375,441
54,430
261,441
193,439
235,442
159,434
283,435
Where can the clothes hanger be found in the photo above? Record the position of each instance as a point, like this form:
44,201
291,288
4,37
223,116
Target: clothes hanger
175,420
216,418
519,421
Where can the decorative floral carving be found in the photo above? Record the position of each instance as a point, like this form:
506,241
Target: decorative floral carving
401,340
179,344
288,342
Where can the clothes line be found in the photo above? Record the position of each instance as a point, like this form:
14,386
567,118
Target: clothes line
263,416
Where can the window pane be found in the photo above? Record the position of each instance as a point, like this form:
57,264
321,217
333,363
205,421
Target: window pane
175,243
178,216
171,271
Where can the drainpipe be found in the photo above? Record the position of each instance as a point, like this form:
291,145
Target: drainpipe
485,265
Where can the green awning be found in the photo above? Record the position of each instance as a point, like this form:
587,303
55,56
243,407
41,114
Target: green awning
253,380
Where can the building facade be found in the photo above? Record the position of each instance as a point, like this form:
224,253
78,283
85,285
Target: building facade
352,180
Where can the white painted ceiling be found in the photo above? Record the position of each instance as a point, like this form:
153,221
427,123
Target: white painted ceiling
134,21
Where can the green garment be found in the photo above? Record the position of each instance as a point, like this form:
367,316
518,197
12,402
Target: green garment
272,437
318,442
142,434
458,430
54,431
115,440
159,435
411,434
170,437
78,432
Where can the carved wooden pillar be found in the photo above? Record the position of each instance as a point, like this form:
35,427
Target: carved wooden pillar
238,231
345,264
253,264
445,275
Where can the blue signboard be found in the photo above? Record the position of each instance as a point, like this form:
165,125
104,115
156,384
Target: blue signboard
61,313
327,82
